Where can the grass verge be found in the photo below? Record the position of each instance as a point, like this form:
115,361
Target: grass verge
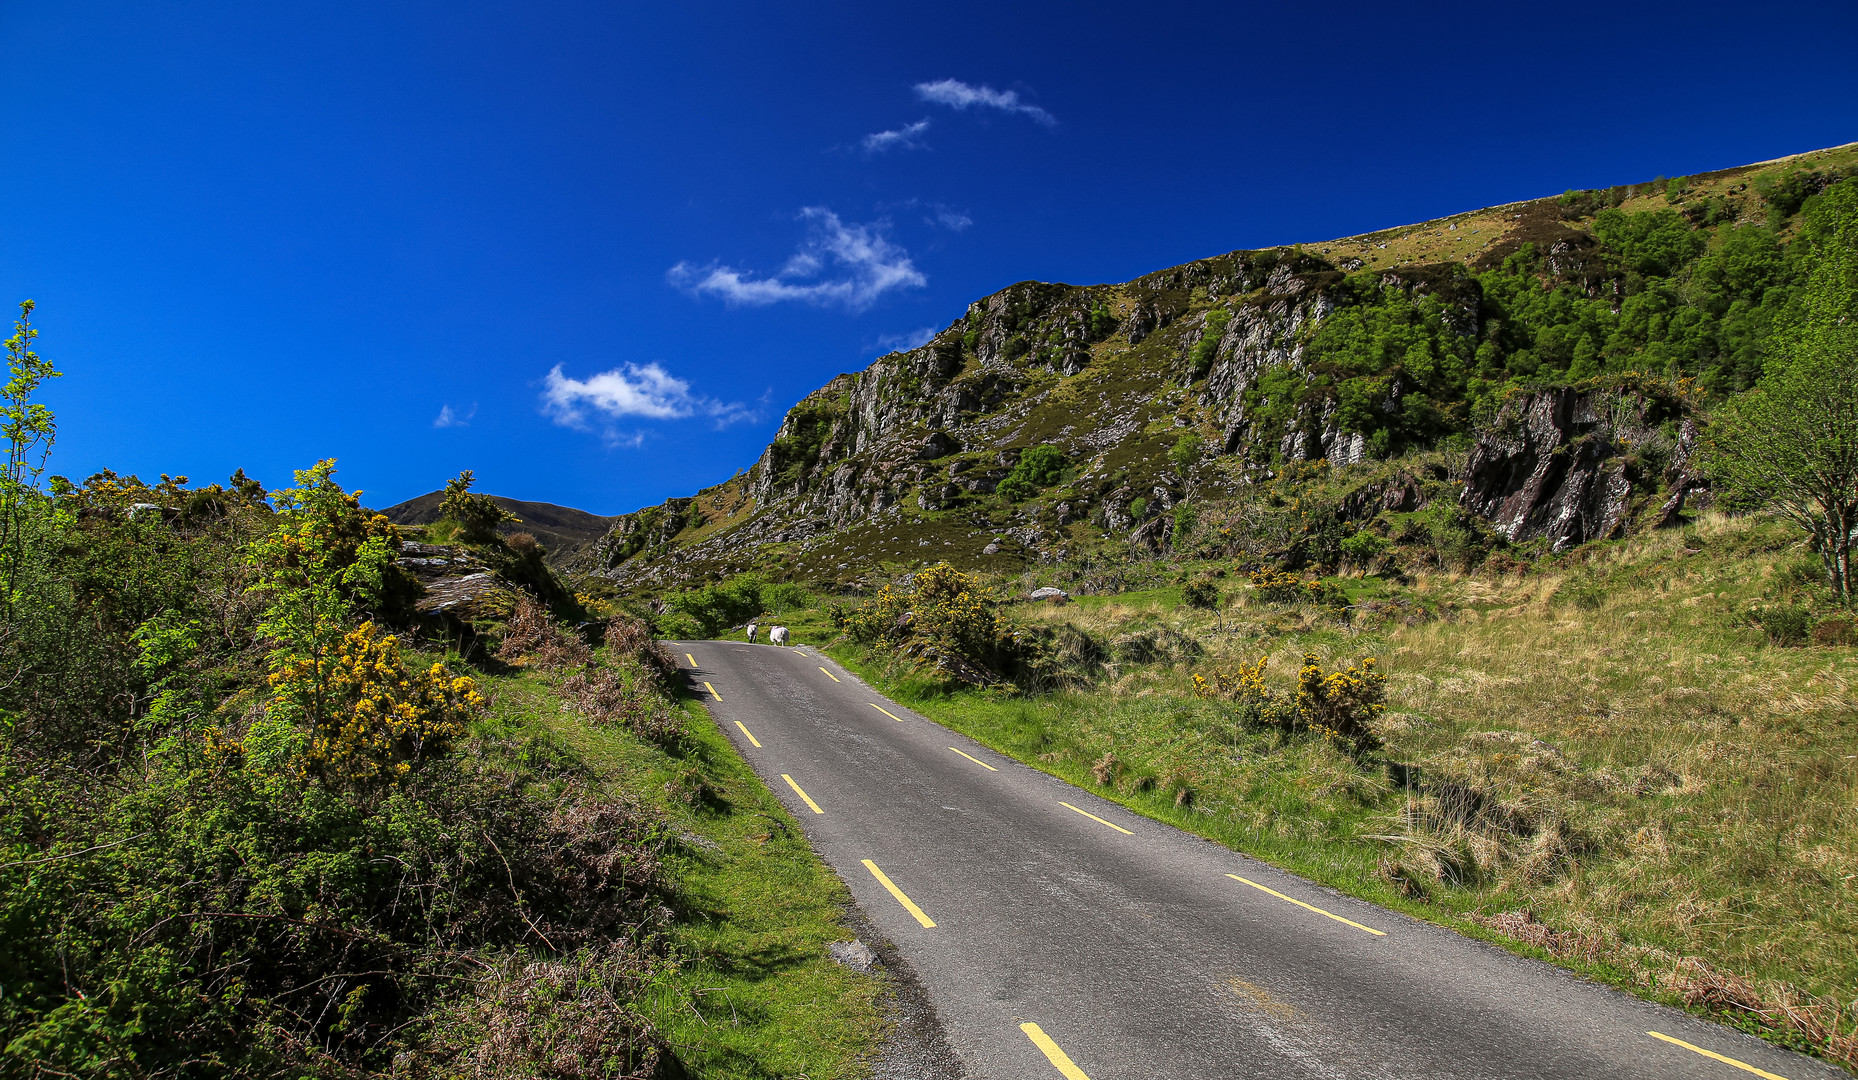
751,993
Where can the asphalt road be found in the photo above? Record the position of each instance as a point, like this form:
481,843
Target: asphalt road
1070,933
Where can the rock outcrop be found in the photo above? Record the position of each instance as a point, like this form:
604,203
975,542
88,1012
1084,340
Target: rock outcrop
1565,464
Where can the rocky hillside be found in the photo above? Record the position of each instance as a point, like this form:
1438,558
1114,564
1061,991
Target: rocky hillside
1558,349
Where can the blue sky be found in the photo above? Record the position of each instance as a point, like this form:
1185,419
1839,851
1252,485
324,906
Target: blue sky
594,251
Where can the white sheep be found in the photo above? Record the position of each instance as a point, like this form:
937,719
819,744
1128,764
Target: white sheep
752,628
778,635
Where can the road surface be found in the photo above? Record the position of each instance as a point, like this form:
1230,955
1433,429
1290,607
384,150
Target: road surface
1060,935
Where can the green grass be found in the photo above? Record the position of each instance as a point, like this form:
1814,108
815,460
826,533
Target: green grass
1668,796
752,993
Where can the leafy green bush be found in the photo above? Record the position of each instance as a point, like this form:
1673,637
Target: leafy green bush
1039,467
716,607
786,596
1200,361
1361,549
1785,624
1187,450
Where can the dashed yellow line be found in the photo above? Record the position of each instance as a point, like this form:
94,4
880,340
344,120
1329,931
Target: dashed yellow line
908,904
1089,815
886,712
692,659
712,691
804,797
976,760
1059,1059
750,734
1743,1065
1308,907
830,675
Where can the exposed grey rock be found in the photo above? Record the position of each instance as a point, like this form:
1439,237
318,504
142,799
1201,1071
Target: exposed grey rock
855,955
1049,592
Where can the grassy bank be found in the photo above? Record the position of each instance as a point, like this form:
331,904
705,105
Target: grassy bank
1602,758
751,992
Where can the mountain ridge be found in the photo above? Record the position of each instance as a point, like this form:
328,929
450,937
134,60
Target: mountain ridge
1194,382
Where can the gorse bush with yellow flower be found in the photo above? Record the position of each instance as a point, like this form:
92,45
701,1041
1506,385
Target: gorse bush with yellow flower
940,615
1339,705
369,717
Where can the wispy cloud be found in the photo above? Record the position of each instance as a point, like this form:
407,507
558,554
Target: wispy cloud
907,137
649,391
951,219
448,418
905,341
865,265
960,95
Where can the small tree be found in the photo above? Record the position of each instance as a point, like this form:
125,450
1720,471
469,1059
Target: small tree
1792,442
477,516
29,429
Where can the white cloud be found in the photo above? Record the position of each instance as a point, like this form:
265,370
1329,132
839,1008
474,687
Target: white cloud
649,391
903,138
866,264
905,341
448,418
959,95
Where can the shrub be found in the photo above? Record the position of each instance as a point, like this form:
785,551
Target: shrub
605,696
1361,549
1283,587
1186,450
1138,508
1201,594
786,596
1337,705
532,636
631,639
943,617
1835,631
1038,468
714,608
366,717
1200,361
477,516
1785,624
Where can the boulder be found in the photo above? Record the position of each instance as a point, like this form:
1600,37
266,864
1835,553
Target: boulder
1047,592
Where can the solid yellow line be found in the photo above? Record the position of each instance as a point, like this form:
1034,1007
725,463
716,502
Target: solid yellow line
804,797
713,692
908,904
750,734
830,675
692,659
976,760
1712,1054
886,712
1311,907
1089,815
1059,1059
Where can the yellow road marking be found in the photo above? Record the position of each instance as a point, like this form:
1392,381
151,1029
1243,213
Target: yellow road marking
1310,907
1089,815
830,675
712,691
1743,1065
750,734
886,712
692,659
804,797
908,904
1060,1061
976,760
